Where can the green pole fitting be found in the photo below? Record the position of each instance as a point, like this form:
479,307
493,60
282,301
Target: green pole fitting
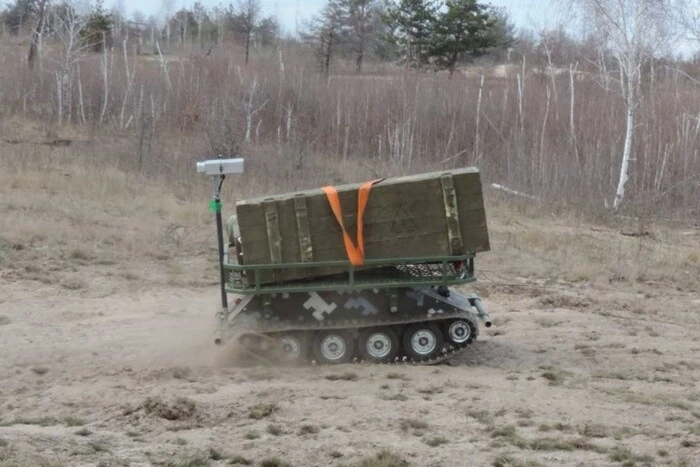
215,206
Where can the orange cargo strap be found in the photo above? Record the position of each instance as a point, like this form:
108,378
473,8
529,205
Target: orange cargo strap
356,254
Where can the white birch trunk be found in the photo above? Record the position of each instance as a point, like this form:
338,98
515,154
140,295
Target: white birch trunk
629,139
80,98
572,128
105,80
478,119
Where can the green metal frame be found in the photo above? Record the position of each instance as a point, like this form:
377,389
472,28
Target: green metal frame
377,274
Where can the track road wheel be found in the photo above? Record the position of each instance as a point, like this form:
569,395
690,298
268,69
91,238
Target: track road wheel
292,348
333,347
379,345
422,341
459,331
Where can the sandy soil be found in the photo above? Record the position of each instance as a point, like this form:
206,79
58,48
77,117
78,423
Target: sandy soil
569,375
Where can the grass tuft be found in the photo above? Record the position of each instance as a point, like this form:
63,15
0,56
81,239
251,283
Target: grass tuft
413,424
383,459
259,411
273,462
74,421
482,416
436,441
555,379
99,447
216,455
347,376
505,460
251,434
308,429
627,457
397,376
394,397
275,430
239,460
181,408
197,459
40,370
40,421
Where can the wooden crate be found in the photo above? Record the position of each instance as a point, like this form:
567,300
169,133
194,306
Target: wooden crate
431,214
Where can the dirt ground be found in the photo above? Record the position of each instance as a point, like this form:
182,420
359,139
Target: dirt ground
108,358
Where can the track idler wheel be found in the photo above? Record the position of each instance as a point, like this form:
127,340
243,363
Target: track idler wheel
291,348
333,347
379,345
459,332
422,341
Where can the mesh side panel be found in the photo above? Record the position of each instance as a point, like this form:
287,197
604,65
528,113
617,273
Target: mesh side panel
427,273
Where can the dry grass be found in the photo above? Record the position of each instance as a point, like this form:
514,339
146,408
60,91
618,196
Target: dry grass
61,227
347,376
415,426
73,421
262,410
626,456
180,408
275,430
590,253
239,460
273,462
308,429
383,459
505,460
398,376
436,441
399,396
400,122
251,434
40,421
555,378
197,459
482,416
169,222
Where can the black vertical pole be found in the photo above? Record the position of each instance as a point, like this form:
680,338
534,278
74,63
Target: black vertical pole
220,234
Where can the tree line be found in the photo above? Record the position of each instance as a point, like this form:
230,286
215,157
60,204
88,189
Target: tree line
418,33
240,22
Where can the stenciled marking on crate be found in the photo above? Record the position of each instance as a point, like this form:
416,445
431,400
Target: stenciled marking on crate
404,219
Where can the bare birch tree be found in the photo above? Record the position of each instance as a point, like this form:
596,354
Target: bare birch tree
631,31
68,36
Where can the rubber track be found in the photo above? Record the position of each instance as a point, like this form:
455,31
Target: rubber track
452,350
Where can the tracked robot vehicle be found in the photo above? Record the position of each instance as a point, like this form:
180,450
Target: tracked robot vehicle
398,310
